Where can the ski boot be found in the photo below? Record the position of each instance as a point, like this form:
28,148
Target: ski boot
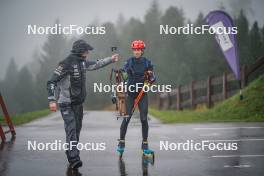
147,154
121,147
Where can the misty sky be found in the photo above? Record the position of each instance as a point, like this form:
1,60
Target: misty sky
15,15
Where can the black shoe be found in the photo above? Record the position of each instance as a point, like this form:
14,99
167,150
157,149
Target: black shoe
75,164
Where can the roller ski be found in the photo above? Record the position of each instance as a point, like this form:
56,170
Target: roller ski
147,154
121,148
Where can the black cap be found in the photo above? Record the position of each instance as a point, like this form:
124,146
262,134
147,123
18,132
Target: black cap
80,46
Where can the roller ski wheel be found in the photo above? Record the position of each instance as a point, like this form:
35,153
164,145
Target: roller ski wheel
147,154
121,148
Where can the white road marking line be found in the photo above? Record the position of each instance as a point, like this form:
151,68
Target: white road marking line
234,140
210,134
236,156
238,166
227,128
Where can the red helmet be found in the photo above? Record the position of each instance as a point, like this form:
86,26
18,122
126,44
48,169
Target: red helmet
138,44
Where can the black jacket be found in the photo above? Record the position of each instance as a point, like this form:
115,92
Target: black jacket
70,79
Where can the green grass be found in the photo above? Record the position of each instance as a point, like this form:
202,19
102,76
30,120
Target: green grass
250,109
26,117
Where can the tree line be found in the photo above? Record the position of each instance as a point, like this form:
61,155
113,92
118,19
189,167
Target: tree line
177,59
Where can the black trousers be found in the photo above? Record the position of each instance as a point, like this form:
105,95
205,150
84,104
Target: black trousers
72,116
143,109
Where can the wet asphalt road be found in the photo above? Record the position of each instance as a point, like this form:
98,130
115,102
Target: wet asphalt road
102,127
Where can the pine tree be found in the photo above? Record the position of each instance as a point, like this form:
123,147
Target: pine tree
132,30
54,50
243,39
120,23
8,86
255,41
102,44
173,49
25,91
151,26
262,41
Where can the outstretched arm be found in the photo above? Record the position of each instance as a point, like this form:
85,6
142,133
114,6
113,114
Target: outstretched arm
94,65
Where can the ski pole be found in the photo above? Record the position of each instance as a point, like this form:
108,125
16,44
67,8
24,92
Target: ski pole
140,95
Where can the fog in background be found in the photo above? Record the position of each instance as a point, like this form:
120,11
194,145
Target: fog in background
28,61
15,15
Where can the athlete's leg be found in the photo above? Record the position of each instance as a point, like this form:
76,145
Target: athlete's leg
125,122
143,109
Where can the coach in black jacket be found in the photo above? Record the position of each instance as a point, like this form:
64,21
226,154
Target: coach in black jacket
70,79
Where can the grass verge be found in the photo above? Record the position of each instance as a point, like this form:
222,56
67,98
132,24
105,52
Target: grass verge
250,109
26,117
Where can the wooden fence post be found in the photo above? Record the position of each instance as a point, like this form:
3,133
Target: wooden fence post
224,88
192,94
178,98
209,91
169,101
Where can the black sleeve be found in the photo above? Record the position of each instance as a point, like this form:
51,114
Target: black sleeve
59,73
